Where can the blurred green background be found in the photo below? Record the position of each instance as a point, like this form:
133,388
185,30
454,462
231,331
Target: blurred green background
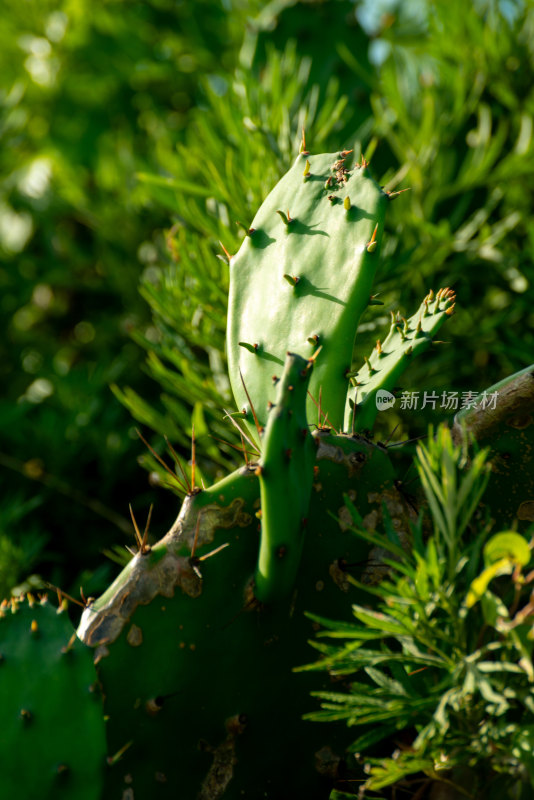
135,134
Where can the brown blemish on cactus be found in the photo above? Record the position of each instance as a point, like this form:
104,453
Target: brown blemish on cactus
344,518
520,422
339,575
154,706
161,572
100,653
224,759
135,636
526,511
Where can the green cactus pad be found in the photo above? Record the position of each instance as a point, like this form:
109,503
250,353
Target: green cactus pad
197,674
302,279
52,739
286,476
389,359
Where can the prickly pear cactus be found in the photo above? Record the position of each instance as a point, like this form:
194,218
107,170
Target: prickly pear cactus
196,640
189,654
302,279
52,738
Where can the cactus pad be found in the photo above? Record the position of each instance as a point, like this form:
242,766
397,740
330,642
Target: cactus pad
302,278
52,726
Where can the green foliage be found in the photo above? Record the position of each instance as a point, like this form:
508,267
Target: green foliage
445,650
91,94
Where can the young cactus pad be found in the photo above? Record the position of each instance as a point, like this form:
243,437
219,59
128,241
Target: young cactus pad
389,359
302,279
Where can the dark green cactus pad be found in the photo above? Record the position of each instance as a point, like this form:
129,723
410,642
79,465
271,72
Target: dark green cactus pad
286,476
200,693
302,279
502,419
406,339
52,734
